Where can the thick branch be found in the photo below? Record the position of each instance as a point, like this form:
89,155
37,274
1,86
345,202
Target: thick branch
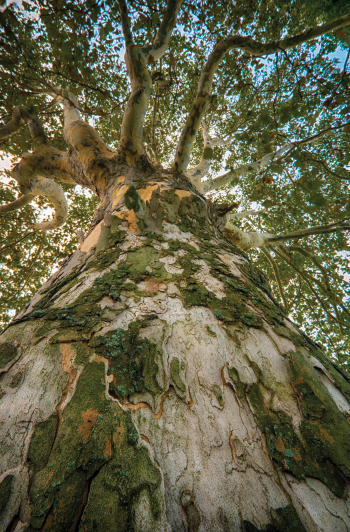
21,114
277,277
160,44
17,204
141,85
196,174
83,138
269,158
18,118
205,82
53,192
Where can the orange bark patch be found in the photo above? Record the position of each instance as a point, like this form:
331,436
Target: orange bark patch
299,380
98,358
142,404
129,216
151,285
92,239
89,417
190,402
119,435
327,436
118,193
146,193
280,445
183,193
164,396
144,438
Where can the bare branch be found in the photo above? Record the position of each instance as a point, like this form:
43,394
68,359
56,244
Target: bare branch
316,230
244,214
21,114
141,85
81,136
326,167
244,240
17,204
195,174
225,179
160,44
250,46
284,254
18,118
53,192
277,277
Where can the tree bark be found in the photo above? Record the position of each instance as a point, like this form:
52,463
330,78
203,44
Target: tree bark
153,384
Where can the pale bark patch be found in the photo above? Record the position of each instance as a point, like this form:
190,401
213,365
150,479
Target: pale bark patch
168,265
172,231
211,283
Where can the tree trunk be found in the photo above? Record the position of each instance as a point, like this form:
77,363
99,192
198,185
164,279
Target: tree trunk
153,384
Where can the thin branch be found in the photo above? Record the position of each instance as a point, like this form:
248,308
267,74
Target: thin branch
310,256
160,44
17,242
316,230
283,253
30,273
250,46
277,277
326,167
244,214
225,179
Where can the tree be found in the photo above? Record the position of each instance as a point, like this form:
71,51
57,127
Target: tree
154,382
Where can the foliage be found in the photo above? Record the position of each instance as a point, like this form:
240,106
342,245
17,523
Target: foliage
265,102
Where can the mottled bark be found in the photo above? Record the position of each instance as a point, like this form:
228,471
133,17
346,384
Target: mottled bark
153,384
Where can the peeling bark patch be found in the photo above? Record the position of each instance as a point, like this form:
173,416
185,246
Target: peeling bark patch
89,417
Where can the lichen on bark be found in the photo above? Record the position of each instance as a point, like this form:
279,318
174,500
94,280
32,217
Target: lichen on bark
158,386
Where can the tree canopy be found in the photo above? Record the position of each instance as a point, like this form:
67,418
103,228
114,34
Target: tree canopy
276,127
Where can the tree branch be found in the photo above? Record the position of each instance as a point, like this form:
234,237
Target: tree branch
277,277
78,134
21,114
284,254
245,240
160,44
225,179
195,174
53,192
316,230
17,204
250,46
141,86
